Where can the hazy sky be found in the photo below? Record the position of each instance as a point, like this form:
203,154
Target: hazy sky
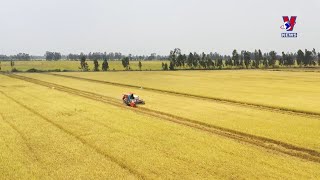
147,26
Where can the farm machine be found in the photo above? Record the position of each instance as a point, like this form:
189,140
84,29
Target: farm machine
131,99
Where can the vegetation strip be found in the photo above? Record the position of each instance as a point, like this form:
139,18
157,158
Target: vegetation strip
227,101
271,144
96,149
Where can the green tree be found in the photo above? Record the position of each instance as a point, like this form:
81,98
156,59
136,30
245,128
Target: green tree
196,60
257,58
96,65
235,58
318,59
289,60
220,63
247,59
105,65
265,62
260,54
125,62
171,66
190,60
173,57
179,60
83,64
183,60
283,59
12,64
300,57
229,62
140,65
241,58
307,58
314,57
273,57
209,61
203,60
165,67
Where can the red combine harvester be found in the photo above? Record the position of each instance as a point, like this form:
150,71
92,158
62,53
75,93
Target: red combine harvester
131,99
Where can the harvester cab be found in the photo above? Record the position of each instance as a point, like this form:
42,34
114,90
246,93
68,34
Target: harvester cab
131,99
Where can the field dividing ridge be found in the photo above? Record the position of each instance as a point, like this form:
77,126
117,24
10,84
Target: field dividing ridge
222,100
270,144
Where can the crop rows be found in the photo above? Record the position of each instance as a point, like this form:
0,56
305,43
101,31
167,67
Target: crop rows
222,100
270,144
96,149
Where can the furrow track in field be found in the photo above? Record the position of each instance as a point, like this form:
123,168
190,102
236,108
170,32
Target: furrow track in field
269,144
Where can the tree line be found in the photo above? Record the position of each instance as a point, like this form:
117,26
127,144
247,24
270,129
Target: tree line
95,57
242,59
17,57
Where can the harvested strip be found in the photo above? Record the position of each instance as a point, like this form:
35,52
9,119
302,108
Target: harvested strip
300,152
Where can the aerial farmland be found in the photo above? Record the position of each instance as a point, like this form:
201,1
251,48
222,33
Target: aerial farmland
159,90
52,120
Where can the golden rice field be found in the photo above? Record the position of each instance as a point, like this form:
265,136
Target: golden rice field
194,125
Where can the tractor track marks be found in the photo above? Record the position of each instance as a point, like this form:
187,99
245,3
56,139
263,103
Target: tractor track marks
21,135
282,110
84,142
266,143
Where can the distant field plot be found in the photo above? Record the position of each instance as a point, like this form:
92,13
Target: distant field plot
74,65
56,125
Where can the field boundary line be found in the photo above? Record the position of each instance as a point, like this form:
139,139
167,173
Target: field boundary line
267,143
222,100
96,149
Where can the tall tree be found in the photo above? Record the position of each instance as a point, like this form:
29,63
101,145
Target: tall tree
265,62
247,59
242,58
209,61
140,65
105,65
179,60
282,61
83,64
203,59
257,58
307,58
260,55
235,58
173,57
125,62
220,63
96,64
314,57
196,60
171,65
300,57
190,60
273,57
